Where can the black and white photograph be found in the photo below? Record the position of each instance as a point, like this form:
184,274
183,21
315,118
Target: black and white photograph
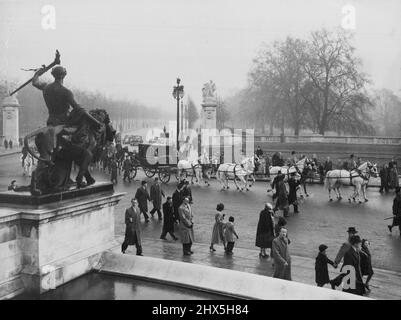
182,150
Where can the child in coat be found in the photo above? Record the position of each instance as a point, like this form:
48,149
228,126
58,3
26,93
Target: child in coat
229,233
321,270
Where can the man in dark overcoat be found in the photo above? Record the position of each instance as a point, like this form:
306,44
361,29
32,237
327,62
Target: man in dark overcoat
132,228
352,258
142,196
156,194
177,199
168,219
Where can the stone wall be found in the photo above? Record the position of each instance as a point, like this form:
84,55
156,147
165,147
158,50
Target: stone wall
47,246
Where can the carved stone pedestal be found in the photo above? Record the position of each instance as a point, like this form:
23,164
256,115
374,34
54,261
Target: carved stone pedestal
49,240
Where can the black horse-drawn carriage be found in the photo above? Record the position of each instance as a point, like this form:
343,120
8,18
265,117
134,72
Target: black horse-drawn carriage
155,159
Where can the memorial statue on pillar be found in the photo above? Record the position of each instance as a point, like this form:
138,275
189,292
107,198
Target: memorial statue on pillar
209,105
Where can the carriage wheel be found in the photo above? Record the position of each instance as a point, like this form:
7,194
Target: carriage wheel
149,172
164,175
133,172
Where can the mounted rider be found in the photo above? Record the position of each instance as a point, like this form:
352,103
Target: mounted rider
58,100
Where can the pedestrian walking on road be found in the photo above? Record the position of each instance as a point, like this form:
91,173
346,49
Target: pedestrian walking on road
142,196
281,256
132,228
229,233
186,226
218,228
383,174
352,258
321,269
282,197
265,230
6,144
178,198
168,219
393,179
366,262
396,210
156,194
114,170
340,255
127,166
292,196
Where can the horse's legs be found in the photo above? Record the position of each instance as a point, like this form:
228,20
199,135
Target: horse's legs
364,187
329,188
339,193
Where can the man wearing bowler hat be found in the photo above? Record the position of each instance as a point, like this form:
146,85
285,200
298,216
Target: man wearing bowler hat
340,255
352,258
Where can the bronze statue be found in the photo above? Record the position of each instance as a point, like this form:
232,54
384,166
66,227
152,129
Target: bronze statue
70,136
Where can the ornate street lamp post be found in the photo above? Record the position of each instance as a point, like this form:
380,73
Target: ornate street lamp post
178,93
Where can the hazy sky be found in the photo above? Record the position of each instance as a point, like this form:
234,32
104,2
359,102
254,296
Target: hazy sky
135,49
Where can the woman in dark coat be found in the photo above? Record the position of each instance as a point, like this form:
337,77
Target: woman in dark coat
265,230
366,262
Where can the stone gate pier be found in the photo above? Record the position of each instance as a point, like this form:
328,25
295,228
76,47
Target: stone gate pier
46,241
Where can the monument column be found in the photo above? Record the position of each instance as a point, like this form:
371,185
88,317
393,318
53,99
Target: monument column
10,109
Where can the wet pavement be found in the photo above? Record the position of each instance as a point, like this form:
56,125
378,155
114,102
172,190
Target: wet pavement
319,221
95,286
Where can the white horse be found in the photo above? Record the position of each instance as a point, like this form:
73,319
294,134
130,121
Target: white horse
235,171
190,167
358,178
286,170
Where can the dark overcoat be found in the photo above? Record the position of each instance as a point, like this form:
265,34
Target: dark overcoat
265,230
281,254
282,195
142,196
321,269
352,258
397,211
292,185
168,217
366,262
133,226
156,194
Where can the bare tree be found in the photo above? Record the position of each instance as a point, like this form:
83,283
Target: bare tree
279,72
336,85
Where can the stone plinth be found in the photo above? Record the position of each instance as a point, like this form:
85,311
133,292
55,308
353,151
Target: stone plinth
209,115
45,244
10,109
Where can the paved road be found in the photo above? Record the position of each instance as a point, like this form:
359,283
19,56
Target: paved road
319,221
